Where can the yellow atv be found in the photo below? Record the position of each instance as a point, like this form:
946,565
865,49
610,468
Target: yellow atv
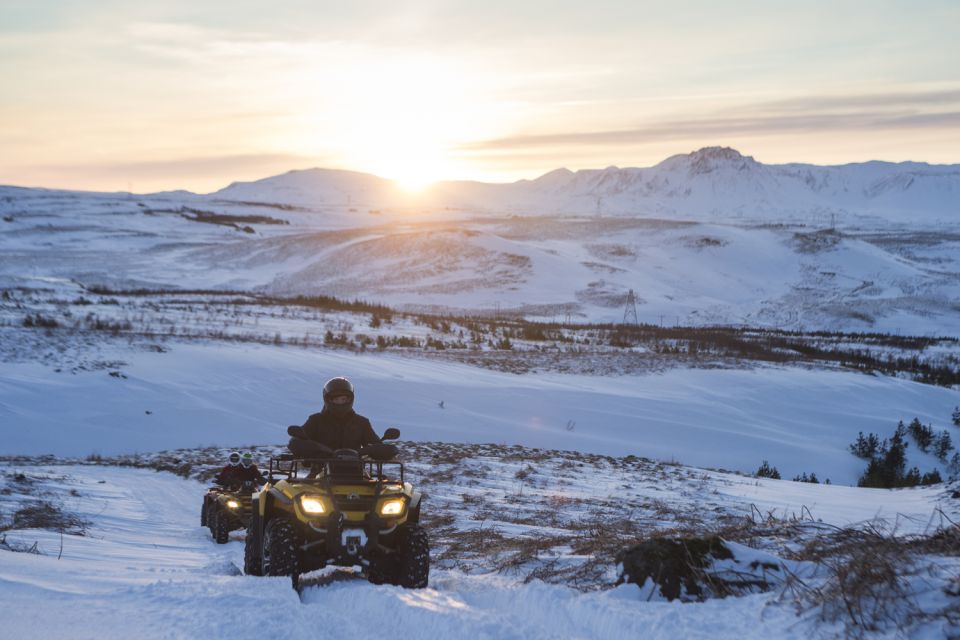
226,509
352,508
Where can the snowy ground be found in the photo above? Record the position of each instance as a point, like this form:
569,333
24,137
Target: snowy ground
523,540
143,559
135,399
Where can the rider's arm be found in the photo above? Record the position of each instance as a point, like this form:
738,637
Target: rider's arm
368,435
310,428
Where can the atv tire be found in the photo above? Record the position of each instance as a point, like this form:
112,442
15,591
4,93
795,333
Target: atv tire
251,553
203,514
211,515
279,556
382,569
221,527
413,557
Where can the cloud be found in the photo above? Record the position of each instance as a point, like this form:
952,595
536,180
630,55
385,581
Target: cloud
873,101
819,114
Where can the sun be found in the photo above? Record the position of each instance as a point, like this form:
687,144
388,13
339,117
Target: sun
417,174
403,117
414,183
413,159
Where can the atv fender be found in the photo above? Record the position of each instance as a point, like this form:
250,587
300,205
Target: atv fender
256,522
278,496
415,500
414,508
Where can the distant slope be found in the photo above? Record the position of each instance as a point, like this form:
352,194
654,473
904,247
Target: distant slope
313,188
801,420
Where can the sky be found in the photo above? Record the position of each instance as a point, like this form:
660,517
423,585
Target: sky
121,95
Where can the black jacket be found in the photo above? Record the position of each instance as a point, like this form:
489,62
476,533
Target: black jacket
350,431
235,475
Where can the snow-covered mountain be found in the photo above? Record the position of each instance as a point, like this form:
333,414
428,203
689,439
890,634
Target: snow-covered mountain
713,183
821,268
314,188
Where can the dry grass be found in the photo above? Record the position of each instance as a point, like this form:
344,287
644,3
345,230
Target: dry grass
869,578
43,514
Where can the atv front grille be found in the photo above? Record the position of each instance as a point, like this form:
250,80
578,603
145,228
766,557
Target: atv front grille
354,502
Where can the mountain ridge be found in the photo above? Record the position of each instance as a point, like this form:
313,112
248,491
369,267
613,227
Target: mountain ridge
711,181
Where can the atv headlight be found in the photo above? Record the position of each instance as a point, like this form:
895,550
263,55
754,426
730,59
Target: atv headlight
391,508
233,504
312,505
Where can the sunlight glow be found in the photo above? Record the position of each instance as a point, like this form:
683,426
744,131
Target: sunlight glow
397,119
180,97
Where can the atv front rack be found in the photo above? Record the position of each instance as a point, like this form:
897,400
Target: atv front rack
330,470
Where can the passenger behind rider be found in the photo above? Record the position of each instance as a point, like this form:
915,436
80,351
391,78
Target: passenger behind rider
241,469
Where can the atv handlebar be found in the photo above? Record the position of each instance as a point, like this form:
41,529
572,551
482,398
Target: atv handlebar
290,466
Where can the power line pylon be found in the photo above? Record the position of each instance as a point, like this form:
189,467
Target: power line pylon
630,311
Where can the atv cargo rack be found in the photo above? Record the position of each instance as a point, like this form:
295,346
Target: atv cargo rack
330,470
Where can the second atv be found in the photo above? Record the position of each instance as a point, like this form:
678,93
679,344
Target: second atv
227,509
353,508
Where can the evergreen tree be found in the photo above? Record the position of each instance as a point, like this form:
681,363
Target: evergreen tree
887,468
911,478
953,467
865,447
942,446
766,471
922,434
895,460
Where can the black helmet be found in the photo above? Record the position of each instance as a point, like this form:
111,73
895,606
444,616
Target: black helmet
234,458
338,388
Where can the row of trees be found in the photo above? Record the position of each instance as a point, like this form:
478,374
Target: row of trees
887,458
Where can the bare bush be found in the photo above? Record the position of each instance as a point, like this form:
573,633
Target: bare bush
869,578
46,515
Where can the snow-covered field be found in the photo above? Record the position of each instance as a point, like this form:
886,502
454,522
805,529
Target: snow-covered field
852,256
593,443
800,419
144,566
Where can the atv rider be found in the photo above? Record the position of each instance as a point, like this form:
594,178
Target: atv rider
241,469
229,474
337,426
248,470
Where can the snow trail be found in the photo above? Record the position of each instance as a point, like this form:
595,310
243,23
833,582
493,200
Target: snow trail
146,568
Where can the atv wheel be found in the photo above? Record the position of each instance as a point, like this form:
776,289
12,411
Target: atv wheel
211,516
413,557
279,555
221,527
382,569
251,553
203,514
